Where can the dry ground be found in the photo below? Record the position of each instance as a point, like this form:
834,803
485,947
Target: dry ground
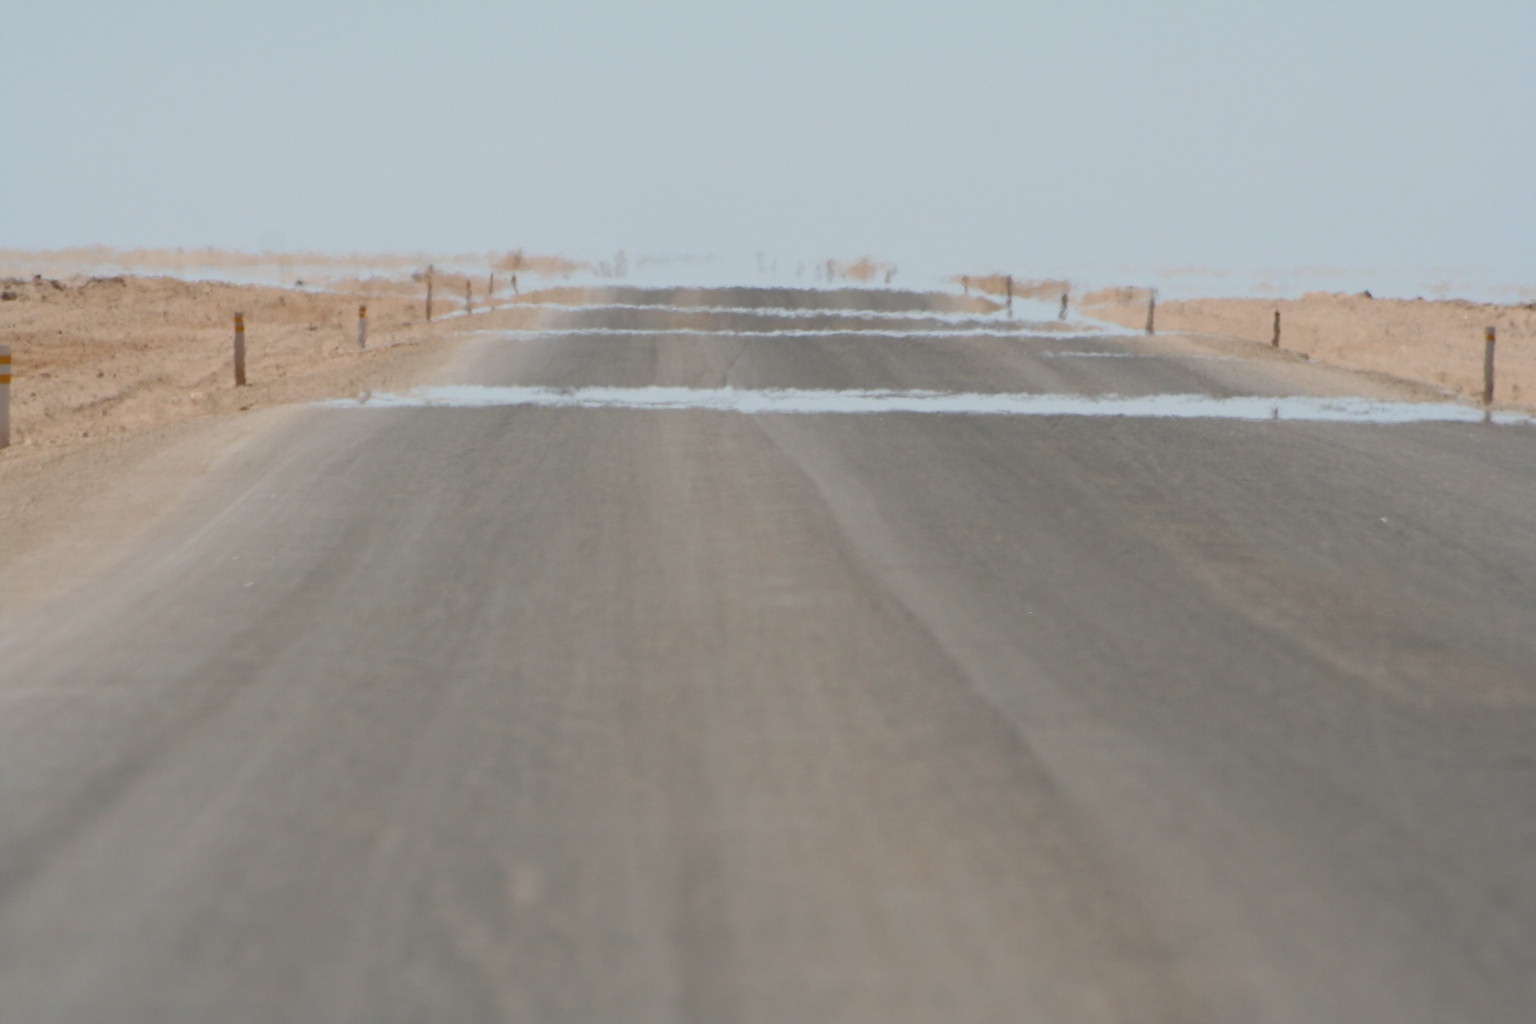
102,357
123,392
1439,343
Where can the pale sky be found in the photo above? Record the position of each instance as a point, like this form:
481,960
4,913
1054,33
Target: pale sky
1357,134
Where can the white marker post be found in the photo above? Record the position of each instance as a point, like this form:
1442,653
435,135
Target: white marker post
239,350
5,396
362,327
1489,337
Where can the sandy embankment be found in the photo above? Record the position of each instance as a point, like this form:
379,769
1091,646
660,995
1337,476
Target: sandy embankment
104,357
123,394
1438,343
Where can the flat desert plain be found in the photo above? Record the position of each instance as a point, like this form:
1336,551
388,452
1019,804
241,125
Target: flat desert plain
97,358
123,390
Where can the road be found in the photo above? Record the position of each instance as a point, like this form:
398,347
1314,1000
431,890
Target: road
609,714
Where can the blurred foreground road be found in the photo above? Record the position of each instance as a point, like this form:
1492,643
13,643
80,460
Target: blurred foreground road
632,715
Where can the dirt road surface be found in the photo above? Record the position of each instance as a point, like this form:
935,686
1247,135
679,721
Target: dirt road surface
583,712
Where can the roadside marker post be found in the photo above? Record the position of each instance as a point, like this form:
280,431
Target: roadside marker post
429,293
1152,312
5,396
1489,336
1010,294
469,302
239,350
362,327
1276,342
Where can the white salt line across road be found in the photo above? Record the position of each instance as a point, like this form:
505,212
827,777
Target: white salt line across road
782,312
832,332
812,402
1138,355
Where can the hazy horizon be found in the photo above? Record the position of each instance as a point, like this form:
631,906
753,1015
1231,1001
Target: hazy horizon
1365,141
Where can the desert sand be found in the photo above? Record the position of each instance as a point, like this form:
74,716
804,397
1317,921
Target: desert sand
123,393
102,357
1436,343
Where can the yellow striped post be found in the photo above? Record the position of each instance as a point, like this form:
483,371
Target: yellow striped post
5,396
